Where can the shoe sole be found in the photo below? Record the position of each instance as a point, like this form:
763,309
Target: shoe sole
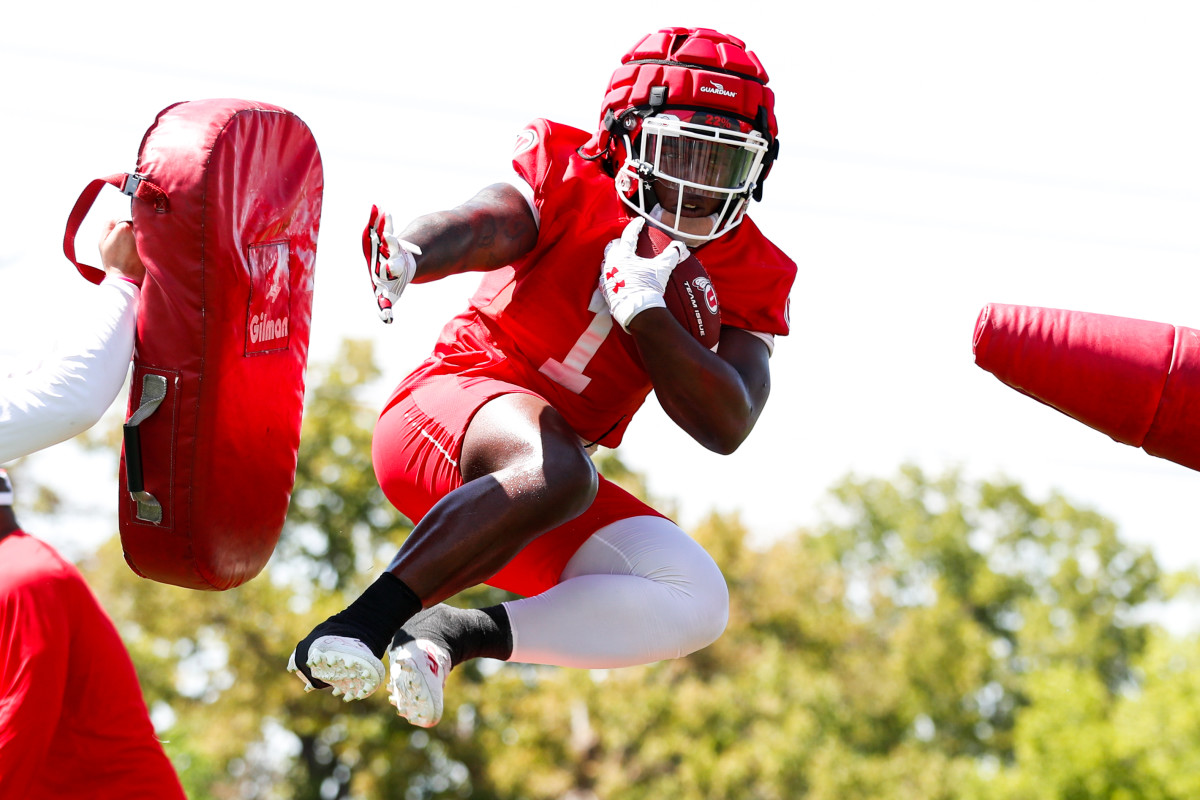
417,694
346,664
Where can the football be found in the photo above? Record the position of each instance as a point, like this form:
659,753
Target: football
690,295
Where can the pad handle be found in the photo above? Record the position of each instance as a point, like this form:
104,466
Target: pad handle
130,184
154,390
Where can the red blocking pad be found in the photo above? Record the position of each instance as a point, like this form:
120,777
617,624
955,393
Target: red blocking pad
226,206
1175,434
1134,380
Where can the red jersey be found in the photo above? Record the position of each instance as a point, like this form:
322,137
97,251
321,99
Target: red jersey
542,322
73,722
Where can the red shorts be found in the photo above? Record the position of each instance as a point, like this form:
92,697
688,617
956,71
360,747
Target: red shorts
416,448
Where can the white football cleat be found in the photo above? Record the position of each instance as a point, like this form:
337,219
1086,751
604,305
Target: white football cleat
344,663
418,681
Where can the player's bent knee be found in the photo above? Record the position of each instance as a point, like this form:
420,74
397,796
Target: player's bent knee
571,480
701,597
709,612
703,585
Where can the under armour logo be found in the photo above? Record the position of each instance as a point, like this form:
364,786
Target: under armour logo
433,664
614,285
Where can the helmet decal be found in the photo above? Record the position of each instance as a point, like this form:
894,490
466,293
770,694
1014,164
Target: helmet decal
716,88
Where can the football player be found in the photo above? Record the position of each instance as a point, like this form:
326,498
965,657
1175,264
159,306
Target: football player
485,447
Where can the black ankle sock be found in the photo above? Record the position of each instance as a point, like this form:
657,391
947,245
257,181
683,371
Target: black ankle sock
466,633
380,611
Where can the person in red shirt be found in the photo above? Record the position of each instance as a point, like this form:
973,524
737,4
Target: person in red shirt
73,722
486,445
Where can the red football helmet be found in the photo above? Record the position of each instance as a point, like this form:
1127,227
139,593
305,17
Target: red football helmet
690,120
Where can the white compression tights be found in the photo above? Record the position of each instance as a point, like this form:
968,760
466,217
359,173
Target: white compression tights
639,590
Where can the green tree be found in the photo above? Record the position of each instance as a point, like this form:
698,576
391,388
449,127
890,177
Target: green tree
933,638
889,653
977,586
1157,727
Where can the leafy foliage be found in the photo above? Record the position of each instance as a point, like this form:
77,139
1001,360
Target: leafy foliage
934,638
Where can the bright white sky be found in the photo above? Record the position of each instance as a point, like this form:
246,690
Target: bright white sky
936,156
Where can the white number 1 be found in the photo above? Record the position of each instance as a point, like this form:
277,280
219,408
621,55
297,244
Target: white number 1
569,371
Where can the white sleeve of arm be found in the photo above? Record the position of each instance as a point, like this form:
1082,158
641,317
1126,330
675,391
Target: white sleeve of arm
70,390
766,338
514,180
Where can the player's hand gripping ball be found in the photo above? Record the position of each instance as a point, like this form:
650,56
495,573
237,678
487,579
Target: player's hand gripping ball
646,268
632,283
689,293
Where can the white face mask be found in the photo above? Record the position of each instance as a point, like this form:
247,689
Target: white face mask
701,165
678,229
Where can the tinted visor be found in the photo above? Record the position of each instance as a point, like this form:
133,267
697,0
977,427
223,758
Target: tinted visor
704,163
700,156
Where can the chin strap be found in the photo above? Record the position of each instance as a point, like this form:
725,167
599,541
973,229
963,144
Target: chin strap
605,153
615,126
